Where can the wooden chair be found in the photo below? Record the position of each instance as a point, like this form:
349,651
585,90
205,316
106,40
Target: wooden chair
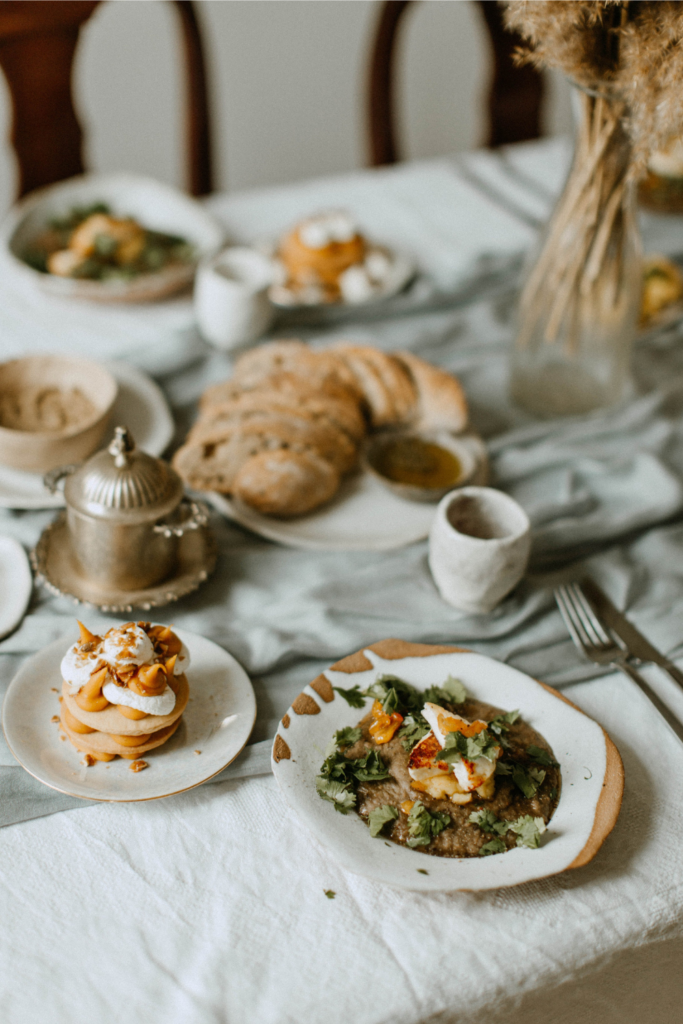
37,47
515,96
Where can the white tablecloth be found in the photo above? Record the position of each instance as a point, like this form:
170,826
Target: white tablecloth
210,907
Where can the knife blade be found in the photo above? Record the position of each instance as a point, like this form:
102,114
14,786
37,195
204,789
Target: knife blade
637,645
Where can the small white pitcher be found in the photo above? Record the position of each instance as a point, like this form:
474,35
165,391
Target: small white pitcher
478,547
231,297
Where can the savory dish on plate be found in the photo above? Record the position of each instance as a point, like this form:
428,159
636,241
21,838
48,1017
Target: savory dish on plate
123,693
440,771
287,427
93,243
662,288
423,750
327,259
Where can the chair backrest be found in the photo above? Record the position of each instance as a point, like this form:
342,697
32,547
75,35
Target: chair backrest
515,95
37,47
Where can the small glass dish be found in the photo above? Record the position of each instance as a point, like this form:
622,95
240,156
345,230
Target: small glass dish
420,465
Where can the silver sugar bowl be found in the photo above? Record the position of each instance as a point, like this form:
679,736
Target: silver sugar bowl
125,513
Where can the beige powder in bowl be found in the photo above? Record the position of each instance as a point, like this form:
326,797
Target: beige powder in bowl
44,409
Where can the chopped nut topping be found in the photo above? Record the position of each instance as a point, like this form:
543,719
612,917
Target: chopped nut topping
55,718
88,761
88,647
138,766
197,751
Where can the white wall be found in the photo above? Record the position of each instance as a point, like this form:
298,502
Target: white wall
287,79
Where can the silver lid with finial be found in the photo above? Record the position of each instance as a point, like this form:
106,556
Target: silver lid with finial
123,484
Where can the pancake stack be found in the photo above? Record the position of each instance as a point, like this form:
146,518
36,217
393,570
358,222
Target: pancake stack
99,727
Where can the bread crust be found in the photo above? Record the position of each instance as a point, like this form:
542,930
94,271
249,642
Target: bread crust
285,483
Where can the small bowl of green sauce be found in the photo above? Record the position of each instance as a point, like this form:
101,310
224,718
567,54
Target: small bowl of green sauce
419,466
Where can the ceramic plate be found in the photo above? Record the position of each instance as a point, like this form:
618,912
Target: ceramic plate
140,405
364,515
154,204
592,772
16,584
401,271
218,720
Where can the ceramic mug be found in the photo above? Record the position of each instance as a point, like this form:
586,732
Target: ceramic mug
231,297
478,547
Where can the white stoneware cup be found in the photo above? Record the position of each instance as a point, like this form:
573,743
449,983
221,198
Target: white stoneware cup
231,297
478,547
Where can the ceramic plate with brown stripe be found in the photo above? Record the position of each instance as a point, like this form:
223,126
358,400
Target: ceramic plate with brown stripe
592,771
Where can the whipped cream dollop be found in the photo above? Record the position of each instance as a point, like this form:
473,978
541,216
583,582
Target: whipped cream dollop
162,704
121,647
336,226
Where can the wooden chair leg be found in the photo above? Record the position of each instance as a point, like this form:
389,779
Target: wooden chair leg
198,127
381,86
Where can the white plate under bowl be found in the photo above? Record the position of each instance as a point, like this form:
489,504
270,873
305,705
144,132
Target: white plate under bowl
364,515
154,204
140,406
218,719
402,270
592,772
16,584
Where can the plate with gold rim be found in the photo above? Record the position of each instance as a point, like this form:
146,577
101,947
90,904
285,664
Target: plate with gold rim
591,768
214,729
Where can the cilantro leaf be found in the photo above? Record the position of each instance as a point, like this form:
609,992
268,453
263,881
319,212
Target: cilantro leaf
450,692
494,846
347,737
541,756
528,830
527,779
369,768
337,792
330,893
395,695
488,822
412,731
424,826
353,696
378,818
501,723
456,747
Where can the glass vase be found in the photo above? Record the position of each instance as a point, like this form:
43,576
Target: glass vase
579,307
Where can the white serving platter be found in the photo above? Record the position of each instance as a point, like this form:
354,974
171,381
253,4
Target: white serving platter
216,724
140,405
592,772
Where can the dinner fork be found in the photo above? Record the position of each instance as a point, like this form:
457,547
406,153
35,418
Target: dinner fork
596,644
588,633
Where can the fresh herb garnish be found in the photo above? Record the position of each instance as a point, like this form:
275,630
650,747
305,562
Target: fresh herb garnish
527,779
347,737
396,695
330,893
488,822
457,746
338,793
452,691
423,826
413,730
527,829
378,818
541,756
353,696
494,846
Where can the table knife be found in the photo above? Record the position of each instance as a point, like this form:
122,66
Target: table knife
637,645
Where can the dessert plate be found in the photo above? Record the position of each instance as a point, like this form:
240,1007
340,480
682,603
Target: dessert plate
140,405
215,727
364,515
16,584
592,772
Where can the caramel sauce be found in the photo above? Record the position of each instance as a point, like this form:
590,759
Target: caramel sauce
410,460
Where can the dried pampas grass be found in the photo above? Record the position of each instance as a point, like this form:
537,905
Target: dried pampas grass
630,53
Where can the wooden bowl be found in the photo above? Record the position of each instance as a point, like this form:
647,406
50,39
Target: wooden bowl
41,450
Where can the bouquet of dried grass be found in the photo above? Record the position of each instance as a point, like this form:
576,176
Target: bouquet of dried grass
627,58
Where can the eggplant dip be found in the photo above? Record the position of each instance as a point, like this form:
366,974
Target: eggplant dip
440,772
